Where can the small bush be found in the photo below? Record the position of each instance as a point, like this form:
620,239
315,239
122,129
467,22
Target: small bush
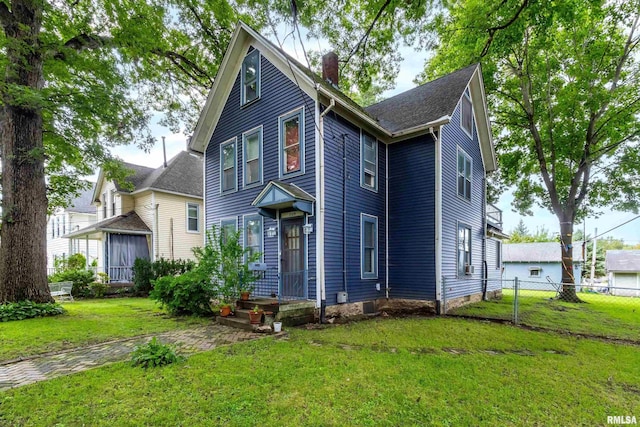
99,289
80,278
28,310
145,271
142,275
183,295
154,354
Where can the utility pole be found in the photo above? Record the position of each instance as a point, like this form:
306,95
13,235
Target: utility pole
593,256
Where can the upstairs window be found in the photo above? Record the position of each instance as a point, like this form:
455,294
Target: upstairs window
464,250
466,115
64,225
252,147
291,143
250,88
104,205
228,177
464,174
113,202
252,234
369,246
368,161
193,217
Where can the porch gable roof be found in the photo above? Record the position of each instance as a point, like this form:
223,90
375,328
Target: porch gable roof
129,223
279,195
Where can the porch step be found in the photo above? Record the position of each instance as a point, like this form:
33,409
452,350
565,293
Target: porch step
236,322
265,304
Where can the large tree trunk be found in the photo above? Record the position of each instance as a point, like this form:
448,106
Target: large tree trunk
568,292
23,251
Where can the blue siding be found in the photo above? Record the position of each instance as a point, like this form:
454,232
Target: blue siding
278,95
412,218
551,269
358,200
456,209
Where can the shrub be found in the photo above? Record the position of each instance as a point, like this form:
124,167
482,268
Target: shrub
28,310
80,278
145,271
154,354
142,275
99,289
186,294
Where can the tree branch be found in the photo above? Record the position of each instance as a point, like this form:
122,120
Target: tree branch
365,37
5,15
493,30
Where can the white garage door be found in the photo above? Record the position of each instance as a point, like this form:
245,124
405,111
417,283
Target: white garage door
628,281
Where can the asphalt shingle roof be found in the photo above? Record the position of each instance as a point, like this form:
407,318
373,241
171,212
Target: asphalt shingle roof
538,252
127,222
422,104
623,260
83,203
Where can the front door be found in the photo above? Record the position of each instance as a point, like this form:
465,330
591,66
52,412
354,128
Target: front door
292,263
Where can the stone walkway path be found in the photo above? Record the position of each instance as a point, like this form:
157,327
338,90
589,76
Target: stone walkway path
188,341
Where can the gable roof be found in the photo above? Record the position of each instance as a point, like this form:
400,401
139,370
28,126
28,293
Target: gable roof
425,103
129,223
383,119
183,175
623,260
538,252
83,203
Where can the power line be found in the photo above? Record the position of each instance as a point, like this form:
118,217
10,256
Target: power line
611,229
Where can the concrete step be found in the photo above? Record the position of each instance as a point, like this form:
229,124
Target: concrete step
264,304
236,322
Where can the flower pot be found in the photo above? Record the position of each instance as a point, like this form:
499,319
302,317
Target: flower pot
244,296
255,317
277,327
225,310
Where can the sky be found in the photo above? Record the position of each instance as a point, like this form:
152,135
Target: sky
411,66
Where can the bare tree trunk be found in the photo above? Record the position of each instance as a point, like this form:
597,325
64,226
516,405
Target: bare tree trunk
23,251
568,292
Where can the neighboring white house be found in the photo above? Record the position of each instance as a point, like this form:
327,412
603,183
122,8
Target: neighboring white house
623,267
161,216
80,214
537,265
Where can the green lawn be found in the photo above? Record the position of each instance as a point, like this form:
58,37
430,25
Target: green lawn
414,371
600,315
87,322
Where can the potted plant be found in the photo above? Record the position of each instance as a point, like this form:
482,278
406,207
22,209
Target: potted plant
225,309
244,294
255,315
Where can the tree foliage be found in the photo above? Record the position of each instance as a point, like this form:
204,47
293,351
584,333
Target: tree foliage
563,82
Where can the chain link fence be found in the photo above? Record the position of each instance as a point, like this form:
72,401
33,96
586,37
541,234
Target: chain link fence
598,310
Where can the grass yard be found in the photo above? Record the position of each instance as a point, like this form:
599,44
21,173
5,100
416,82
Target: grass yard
600,315
414,371
87,322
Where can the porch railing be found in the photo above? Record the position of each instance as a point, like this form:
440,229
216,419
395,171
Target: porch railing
494,216
120,274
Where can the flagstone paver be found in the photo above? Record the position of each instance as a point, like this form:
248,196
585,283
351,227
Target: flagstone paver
188,341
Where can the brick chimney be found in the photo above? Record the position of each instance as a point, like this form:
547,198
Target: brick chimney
330,68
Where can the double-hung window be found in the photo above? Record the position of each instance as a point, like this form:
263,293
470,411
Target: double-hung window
253,234
252,152
113,202
250,88
292,143
228,227
193,217
466,115
368,161
228,176
104,205
464,249
464,174
369,246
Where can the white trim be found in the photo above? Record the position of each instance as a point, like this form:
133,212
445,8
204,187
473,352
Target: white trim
377,248
319,171
197,230
361,146
160,190
467,156
468,96
302,144
231,141
438,217
244,233
154,236
204,197
457,247
260,182
243,102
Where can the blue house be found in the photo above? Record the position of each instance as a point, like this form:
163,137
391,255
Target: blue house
352,208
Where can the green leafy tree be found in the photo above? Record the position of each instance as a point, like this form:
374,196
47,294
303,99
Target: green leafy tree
79,78
564,87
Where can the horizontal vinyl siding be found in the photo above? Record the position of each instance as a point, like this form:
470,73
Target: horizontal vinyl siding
456,209
412,218
144,208
174,208
494,271
279,95
358,201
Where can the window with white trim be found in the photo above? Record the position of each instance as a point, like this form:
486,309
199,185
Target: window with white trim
253,234
464,174
369,246
228,176
368,161
193,217
252,154
228,227
291,143
464,250
104,205
250,88
534,271
113,202
466,114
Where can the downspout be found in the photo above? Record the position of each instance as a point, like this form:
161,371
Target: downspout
438,216
485,272
321,213
344,214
